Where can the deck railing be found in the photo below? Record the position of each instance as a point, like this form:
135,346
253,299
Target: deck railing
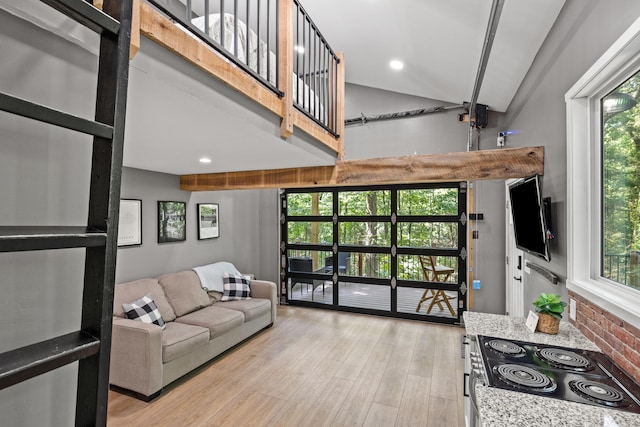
622,268
362,264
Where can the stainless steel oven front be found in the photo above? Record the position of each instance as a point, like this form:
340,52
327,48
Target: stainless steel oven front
473,374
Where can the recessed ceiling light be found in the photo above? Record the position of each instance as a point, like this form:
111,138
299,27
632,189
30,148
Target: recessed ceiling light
205,160
396,65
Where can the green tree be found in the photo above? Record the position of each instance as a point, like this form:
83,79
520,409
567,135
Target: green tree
376,203
621,183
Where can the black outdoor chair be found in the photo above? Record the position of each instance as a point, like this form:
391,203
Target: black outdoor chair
343,262
301,265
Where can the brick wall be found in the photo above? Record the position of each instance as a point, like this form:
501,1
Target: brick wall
615,337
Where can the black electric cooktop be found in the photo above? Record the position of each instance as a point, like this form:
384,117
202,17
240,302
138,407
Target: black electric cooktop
583,376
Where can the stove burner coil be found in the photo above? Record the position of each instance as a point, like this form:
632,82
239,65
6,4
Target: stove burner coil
598,392
565,359
506,347
525,377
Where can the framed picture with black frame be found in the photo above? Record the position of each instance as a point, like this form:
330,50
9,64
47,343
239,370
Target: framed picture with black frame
172,221
208,221
130,223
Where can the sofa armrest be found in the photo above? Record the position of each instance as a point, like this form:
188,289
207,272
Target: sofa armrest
136,356
267,290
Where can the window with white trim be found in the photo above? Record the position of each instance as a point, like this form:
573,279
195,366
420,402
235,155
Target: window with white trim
602,194
620,197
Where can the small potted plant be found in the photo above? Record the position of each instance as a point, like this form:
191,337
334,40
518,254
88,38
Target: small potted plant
549,309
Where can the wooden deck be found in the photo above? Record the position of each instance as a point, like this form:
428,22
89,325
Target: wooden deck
375,297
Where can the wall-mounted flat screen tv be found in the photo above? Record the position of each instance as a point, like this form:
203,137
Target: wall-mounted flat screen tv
529,218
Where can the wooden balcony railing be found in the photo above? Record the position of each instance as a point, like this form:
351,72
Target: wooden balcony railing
270,42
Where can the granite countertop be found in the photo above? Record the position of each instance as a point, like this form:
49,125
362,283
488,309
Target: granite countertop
499,407
514,328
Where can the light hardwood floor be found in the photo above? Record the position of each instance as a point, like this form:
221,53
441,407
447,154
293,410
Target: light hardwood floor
318,368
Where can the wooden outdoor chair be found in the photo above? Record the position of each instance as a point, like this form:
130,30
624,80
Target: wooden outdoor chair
435,273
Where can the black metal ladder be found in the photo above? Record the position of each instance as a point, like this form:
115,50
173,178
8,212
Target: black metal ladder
91,343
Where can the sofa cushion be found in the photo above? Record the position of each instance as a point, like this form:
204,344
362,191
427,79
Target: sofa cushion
215,318
183,291
251,308
235,287
144,310
124,293
179,339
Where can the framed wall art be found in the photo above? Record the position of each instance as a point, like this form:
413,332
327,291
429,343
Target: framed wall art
130,223
172,221
208,221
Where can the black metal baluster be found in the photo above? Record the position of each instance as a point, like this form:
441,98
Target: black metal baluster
296,52
247,34
278,43
322,82
335,94
221,21
312,65
317,97
269,45
314,105
304,60
206,17
235,28
326,87
331,82
308,85
259,37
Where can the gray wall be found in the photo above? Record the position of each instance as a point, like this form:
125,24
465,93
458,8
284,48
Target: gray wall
44,175
489,248
44,180
435,133
269,232
248,221
582,33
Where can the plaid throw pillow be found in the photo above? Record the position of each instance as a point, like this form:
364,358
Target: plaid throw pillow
235,287
144,310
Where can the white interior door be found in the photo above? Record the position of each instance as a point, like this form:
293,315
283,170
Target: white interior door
514,264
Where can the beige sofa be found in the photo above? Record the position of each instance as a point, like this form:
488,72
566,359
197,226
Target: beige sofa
145,357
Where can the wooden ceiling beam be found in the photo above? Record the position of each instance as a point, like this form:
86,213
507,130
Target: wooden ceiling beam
440,167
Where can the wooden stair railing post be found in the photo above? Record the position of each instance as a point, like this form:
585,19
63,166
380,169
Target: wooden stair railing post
285,64
339,105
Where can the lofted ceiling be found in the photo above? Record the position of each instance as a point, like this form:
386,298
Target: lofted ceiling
175,115
440,43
